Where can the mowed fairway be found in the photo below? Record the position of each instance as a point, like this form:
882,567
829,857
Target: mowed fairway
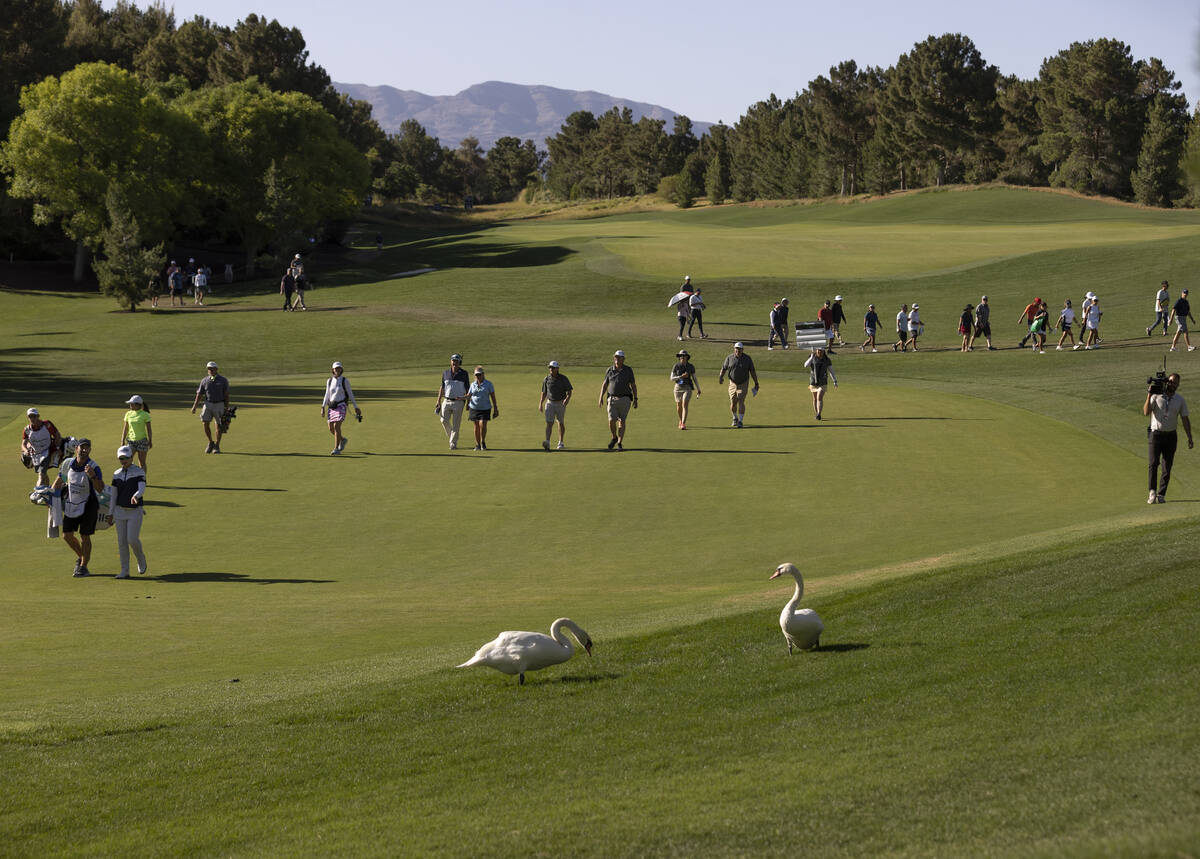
973,528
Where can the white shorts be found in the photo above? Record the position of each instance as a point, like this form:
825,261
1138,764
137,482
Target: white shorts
212,412
555,411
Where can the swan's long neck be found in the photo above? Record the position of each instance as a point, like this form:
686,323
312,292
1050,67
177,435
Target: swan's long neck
797,596
556,632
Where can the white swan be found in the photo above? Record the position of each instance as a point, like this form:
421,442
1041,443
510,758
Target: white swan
801,627
518,652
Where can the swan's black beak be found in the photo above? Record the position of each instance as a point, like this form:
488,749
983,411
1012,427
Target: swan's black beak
587,645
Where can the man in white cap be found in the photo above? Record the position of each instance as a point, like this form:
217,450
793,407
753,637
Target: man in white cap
740,368
214,388
1180,314
338,394
41,446
983,324
556,393
839,316
452,398
618,393
915,327
81,481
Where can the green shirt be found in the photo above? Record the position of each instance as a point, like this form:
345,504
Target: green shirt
137,420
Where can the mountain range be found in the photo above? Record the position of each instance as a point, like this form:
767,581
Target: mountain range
491,110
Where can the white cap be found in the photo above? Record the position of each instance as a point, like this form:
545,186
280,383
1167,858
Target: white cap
738,345
552,364
1090,295
983,298
297,256
619,354
687,277
783,301
124,452
916,307
135,400
212,365
32,413
337,365
837,298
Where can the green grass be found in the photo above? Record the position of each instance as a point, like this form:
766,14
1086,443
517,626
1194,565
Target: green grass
1008,670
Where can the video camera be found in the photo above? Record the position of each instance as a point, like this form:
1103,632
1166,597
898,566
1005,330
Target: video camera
1157,384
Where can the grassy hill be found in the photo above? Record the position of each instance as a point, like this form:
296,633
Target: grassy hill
1006,666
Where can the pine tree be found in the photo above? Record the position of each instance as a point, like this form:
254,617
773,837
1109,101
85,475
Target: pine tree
1156,180
126,267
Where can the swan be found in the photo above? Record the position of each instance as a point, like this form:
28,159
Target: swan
801,627
518,652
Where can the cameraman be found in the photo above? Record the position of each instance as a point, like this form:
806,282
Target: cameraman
1164,410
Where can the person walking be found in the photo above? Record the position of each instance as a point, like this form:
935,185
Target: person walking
41,446
556,393
740,368
696,304
870,326
338,396
125,510
287,285
452,398
1165,410
778,320
966,324
825,314
820,371
80,480
839,316
901,330
214,388
983,324
618,394
1181,313
1162,305
481,399
687,383
1091,323
915,327
683,311
200,285
301,283
1066,322
137,432
1026,319
1037,328
175,283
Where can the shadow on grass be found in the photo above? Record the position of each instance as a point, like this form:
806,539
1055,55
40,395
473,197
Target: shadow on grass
238,578
217,488
152,503
588,678
841,648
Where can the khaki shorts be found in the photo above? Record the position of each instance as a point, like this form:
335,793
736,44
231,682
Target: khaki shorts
817,388
555,411
618,408
683,395
212,412
737,392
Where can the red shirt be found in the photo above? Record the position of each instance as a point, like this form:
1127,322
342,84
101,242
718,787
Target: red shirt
825,314
1030,312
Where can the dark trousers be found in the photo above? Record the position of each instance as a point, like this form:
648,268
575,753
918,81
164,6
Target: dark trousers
682,322
287,301
697,319
1162,446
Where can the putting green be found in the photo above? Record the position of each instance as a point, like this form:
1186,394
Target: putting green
276,556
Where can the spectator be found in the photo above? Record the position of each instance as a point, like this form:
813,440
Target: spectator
1162,304
481,399
839,316
966,323
825,314
452,398
175,283
901,330
556,393
301,284
740,368
1066,321
1181,313
1026,319
214,388
870,326
915,327
983,324
820,371
200,285
1037,328
619,394
696,305
683,310
683,374
287,285
779,321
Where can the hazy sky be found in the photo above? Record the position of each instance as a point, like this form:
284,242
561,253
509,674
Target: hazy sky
709,60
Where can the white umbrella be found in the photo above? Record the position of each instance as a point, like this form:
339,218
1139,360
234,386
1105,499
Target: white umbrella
678,297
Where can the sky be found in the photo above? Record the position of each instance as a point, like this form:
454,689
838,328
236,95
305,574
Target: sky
708,60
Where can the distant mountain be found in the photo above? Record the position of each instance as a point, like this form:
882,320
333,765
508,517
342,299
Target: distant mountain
492,110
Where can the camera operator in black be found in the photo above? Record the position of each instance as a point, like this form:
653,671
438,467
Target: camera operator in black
1164,410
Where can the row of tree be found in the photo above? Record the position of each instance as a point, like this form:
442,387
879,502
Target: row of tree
1095,120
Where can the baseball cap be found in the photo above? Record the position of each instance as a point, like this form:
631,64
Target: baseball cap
870,307
983,298
783,301
124,452
1037,301
619,354
1185,292
297,256
456,357
552,364
682,353
916,307
687,277
32,413
837,298
134,400
212,364
81,442
337,365
738,345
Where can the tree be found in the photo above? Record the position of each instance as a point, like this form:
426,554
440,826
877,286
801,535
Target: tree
96,129
31,37
511,166
266,50
681,143
126,267
1017,139
941,100
1156,181
570,153
279,165
716,175
842,120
